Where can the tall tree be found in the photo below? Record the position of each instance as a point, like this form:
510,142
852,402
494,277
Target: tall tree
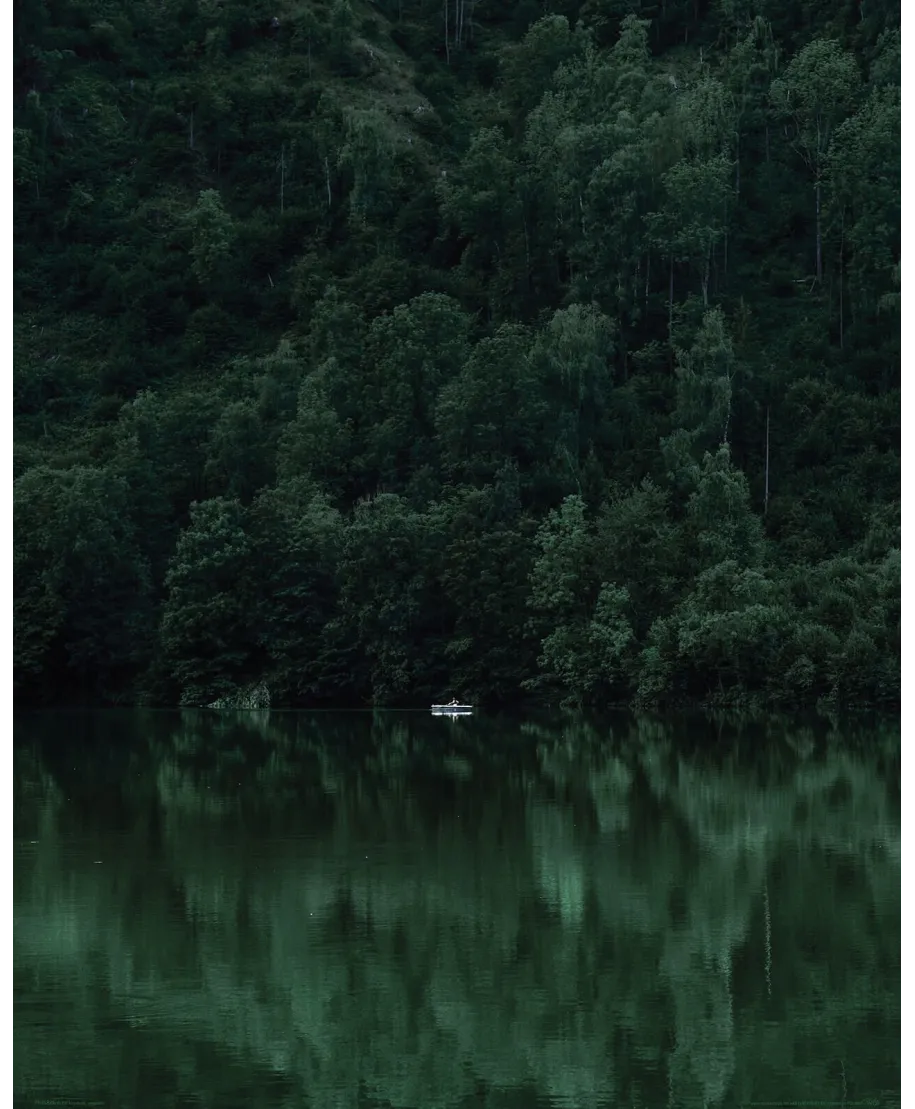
816,93
206,635
492,410
863,178
296,547
81,586
411,355
387,606
694,218
576,351
705,382
213,238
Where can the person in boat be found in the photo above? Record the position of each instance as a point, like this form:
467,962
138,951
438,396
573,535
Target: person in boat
453,701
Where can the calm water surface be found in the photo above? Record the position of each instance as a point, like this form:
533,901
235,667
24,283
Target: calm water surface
340,910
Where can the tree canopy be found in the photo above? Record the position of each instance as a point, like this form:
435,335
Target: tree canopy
383,350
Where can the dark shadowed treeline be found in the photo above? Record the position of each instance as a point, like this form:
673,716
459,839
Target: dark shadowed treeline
388,350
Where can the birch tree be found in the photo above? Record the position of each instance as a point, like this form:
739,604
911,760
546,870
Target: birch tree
864,197
815,94
694,217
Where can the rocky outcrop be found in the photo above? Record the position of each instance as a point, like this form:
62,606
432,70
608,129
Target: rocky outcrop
255,696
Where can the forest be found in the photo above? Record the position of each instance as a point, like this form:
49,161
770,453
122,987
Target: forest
384,350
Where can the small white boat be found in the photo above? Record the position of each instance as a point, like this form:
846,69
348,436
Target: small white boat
454,709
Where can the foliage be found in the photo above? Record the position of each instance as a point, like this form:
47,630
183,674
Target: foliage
381,350
79,562
206,628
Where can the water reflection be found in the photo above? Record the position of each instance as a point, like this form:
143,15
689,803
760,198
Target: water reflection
367,910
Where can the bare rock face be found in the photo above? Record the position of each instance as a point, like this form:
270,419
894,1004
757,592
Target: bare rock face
255,696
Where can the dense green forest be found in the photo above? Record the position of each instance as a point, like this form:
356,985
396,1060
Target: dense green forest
389,350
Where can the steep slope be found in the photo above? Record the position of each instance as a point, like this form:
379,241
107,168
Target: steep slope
384,349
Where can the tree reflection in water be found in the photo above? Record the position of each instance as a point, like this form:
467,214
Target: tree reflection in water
285,909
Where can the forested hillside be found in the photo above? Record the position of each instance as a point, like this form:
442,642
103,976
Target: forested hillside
390,350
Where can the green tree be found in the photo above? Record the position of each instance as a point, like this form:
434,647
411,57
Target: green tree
206,636
340,33
213,238
720,525
527,67
862,176
576,351
368,154
749,69
637,547
162,441
732,630
605,17
564,589
316,444
622,193
239,459
694,216
705,382
481,199
492,410
585,654
296,545
707,113
817,91
486,551
81,586
338,330
410,355
386,574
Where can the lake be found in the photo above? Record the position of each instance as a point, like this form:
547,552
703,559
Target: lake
387,909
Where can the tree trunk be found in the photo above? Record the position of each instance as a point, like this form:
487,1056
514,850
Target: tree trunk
842,286
819,235
737,170
727,418
670,312
327,181
766,494
736,194
447,45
